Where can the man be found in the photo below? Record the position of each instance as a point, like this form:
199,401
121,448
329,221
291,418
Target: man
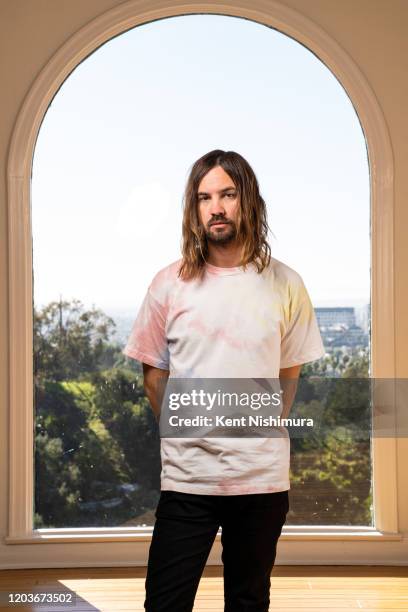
226,309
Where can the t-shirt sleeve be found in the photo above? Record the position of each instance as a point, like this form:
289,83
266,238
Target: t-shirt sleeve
301,341
147,341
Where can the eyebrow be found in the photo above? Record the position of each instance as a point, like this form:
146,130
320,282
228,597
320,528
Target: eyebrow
221,191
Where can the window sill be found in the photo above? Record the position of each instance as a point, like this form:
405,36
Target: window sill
143,534
328,532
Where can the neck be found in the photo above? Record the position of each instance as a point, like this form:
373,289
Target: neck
224,255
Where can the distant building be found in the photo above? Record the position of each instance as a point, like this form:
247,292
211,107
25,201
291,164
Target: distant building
352,337
339,329
363,314
329,317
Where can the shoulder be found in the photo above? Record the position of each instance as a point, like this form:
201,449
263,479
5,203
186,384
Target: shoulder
164,280
283,275
168,273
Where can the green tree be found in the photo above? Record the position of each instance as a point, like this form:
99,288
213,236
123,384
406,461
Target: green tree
69,341
331,467
124,410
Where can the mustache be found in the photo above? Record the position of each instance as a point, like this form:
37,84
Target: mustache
214,221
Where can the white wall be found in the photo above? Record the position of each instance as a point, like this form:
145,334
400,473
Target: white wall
372,32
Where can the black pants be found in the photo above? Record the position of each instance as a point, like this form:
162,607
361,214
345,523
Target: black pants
184,531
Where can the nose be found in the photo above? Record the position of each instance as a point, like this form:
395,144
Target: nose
216,206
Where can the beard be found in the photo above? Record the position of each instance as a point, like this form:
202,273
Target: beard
221,235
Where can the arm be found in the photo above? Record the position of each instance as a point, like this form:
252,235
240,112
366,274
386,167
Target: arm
154,383
289,380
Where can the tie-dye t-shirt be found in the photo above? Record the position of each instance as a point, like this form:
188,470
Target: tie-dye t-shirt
234,323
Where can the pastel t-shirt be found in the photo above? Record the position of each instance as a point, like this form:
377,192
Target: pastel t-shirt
234,323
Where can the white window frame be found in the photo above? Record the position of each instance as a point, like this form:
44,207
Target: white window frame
299,544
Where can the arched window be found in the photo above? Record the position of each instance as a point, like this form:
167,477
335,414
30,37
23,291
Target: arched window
109,167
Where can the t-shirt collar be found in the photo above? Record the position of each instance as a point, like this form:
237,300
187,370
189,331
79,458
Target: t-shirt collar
221,271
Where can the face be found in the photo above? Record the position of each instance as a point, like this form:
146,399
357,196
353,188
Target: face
218,201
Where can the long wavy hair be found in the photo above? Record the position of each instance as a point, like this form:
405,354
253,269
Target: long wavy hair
252,224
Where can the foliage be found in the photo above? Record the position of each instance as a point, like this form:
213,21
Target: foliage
97,444
69,341
331,468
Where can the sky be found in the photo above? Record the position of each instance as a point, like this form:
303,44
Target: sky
117,142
